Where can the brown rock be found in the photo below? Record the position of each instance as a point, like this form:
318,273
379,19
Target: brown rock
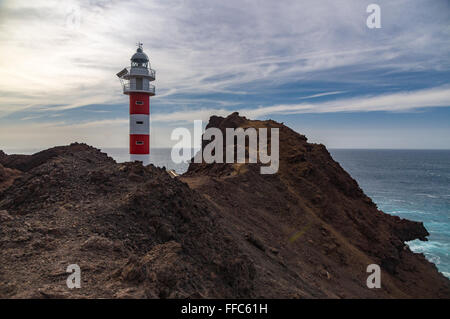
136,232
334,223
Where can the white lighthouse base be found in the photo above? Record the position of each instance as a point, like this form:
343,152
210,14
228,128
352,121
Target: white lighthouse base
144,158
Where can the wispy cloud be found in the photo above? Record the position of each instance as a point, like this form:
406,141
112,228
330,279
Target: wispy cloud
396,102
214,57
69,58
321,94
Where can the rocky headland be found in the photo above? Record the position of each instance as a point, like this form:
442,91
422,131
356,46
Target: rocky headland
217,231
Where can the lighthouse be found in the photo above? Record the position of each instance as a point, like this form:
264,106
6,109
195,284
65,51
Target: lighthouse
135,81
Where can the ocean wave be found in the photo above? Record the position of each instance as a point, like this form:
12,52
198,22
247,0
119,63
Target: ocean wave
421,246
428,195
433,258
407,212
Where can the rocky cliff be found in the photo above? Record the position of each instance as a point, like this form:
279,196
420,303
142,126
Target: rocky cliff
220,230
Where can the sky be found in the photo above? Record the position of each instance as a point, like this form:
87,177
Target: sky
314,65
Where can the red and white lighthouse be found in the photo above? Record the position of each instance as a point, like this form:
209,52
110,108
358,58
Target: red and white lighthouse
136,83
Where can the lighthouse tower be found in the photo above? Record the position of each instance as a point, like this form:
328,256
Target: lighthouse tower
135,81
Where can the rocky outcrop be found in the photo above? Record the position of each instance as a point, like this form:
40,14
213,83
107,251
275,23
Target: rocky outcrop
324,229
7,177
25,163
133,230
2,155
218,231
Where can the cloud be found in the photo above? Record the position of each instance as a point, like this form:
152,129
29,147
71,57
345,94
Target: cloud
321,94
65,54
114,132
396,102
214,57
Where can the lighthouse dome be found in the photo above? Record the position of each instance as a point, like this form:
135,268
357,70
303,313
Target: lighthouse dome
139,56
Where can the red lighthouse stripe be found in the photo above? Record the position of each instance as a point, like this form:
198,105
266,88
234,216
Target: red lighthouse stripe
139,103
139,144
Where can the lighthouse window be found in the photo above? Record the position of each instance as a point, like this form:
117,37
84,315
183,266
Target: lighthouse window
139,143
139,103
139,122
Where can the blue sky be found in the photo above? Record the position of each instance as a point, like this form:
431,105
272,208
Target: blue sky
313,65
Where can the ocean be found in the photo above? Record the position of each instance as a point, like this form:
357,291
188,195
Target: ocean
412,184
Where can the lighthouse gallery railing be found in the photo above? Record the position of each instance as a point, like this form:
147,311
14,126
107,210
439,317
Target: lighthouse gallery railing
128,87
141,71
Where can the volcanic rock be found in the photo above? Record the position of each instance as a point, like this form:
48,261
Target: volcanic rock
316,216
218,231
150,236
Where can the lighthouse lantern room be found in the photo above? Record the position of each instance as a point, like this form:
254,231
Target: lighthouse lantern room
135,81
